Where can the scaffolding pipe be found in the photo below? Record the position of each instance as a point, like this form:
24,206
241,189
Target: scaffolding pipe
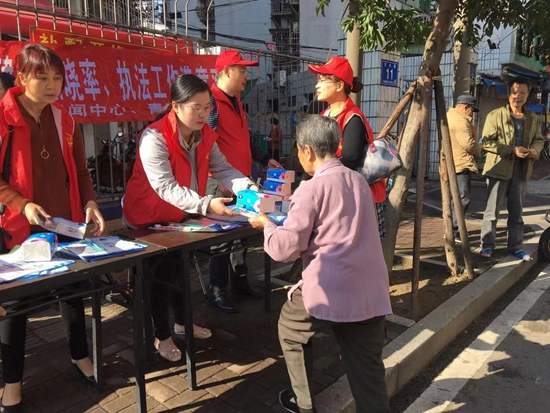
208,20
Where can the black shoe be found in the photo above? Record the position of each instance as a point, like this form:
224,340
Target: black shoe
221,301
288,401
241,286
16,408
89,379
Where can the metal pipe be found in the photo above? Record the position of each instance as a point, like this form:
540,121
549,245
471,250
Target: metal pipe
18,20
128,12
186,16
208,19
176,16
153,24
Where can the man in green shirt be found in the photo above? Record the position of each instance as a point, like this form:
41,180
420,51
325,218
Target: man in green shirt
513,140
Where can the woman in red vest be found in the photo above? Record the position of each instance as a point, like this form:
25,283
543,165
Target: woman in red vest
174,156
48,176
335,82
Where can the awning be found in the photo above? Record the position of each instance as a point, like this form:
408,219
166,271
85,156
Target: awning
538,109
530,75
500,87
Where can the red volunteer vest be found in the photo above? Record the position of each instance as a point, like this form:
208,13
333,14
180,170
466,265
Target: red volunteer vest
233,135
20,177
142,206
379,188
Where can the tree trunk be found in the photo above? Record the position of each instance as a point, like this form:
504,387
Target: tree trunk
435,46
462,50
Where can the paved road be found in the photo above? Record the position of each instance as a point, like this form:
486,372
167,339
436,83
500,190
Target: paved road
506,368
537,202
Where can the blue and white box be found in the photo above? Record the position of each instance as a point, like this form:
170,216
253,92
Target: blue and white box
256,202
280,175
39,247
277,188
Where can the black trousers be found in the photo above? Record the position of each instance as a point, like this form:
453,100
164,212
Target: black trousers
361,344
13,334
223,267
161,297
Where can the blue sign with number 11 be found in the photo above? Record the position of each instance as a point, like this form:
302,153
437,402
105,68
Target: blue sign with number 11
389,73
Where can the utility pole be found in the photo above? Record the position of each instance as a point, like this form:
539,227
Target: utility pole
353,54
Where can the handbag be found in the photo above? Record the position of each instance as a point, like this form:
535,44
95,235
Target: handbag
381,160
6,176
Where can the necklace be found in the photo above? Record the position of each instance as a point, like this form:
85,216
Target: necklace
44,154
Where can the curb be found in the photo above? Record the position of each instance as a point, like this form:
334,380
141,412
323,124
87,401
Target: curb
408,354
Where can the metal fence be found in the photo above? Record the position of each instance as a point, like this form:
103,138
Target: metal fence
281,87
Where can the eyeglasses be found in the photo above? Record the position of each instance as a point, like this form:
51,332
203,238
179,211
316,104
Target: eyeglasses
198,109
325,79
240,69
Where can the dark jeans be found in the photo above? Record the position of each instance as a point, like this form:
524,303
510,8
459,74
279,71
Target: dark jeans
225,266
465,188
497,190
13,334
161,297
276,153
361,345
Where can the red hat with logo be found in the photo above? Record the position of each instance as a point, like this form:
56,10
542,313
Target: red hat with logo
232,58
337,66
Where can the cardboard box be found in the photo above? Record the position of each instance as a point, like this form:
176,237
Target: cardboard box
257,202
277,188
39,247
280,175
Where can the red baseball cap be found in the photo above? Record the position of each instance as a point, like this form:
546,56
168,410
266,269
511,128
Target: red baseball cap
232,58
337,66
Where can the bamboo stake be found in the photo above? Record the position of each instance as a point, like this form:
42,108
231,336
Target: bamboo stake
450,246
400,108
423,149
448,153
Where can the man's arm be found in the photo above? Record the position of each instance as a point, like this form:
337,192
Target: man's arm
492,142
465,138
537,143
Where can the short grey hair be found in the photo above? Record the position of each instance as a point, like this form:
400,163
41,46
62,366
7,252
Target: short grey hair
321,133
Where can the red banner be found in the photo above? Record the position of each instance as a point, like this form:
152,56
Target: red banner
104,84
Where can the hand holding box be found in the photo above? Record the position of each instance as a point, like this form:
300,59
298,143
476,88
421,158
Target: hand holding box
255,201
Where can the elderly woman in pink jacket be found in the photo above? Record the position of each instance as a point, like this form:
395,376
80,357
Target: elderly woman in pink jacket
332,226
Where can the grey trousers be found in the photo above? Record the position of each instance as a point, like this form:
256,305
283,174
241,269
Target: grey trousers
497,191
361,345
465,188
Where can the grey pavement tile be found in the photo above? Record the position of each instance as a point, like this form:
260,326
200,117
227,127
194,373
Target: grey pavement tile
244,395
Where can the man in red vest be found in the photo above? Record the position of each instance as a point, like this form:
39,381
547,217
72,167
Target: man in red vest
229,120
